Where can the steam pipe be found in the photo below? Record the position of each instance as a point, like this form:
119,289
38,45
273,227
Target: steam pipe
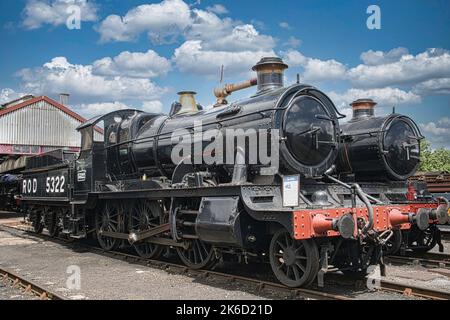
366,201
362,196
223,92
350,187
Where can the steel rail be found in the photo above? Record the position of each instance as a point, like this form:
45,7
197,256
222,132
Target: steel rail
28,286
205,274
445,235
426,260
388,286
260,284
414,291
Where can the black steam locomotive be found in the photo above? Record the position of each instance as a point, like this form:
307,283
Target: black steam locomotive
305,214
10,192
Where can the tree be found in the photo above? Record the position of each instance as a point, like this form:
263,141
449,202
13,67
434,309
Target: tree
434,160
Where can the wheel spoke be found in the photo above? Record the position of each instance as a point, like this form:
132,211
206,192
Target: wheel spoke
199,250
281,265
301,267
296,273
289,271
299,247
145,216
288,239
282,246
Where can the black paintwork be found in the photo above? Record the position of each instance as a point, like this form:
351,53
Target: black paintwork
380,148
309,133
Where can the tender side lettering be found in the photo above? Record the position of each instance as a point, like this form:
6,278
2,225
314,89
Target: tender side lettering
52,185
55,184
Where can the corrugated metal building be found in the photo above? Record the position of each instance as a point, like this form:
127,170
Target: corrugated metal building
34,125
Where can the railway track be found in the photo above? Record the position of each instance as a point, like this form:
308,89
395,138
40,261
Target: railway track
384,285
27,286
428,260
414,291
445,234
260,285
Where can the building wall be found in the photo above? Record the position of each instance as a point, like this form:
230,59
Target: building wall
40,124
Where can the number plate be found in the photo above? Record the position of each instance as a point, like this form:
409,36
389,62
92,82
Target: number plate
291,189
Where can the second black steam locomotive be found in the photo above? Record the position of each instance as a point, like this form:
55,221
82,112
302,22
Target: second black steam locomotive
10,192
316,210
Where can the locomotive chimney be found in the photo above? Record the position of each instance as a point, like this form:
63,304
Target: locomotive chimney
270,73
188,102
363,108
64,99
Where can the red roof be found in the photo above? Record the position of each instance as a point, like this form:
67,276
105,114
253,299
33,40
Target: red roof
50,101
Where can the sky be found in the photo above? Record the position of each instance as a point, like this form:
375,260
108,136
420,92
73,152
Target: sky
116,54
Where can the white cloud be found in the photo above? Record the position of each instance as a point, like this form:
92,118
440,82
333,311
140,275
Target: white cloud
225,34
437,132
432,128
294,58
285,25
154,106
160,21
209,40
167,21
207,25
191,57
217,9
133,64
405,68
240,38
56,12
59,75
91,110
428,72
444,121
376,58
320,70
315,69
433,87
293,42
7,95
385,97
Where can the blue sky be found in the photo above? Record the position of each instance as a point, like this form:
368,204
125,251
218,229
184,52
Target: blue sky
140,53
